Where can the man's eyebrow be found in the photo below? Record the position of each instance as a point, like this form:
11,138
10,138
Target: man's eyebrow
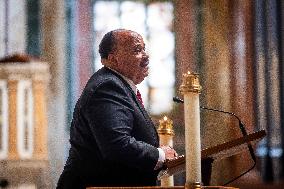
139,45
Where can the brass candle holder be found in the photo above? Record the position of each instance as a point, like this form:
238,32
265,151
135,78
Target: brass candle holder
166,133
190,83
166,126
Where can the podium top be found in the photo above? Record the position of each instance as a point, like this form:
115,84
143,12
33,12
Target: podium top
223,150
232,147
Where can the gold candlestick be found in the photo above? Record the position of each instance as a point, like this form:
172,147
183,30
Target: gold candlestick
190,83
166,126
166,134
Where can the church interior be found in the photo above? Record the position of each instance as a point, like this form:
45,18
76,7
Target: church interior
49,49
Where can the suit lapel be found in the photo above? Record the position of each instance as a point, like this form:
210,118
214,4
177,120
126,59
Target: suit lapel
141,107
145,114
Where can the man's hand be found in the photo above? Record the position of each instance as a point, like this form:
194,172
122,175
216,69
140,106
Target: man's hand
170,153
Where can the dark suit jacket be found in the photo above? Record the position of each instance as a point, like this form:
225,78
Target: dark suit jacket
113,140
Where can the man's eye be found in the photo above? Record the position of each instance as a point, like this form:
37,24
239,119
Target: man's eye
138,50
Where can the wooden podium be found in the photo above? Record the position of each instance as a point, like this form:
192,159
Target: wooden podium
216,152
220,151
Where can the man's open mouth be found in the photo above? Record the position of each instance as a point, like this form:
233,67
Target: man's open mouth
144,63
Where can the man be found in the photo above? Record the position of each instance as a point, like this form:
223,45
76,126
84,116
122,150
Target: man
113,140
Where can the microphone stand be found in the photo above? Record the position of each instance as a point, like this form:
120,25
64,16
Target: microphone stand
242,128
3,183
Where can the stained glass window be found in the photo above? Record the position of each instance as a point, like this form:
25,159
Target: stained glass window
154,22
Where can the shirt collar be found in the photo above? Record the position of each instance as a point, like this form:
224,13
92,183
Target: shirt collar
129,81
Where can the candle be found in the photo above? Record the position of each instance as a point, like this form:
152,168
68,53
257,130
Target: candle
190,88
166,134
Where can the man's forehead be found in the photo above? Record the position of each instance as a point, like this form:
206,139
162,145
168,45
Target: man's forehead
128,36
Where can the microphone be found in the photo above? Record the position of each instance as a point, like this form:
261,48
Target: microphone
177,99
242,128
241,125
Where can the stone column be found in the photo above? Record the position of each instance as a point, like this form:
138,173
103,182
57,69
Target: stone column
216,81
242,62
84,43
190,88
54,52
186,13
40,109
12,135
241,69
166,134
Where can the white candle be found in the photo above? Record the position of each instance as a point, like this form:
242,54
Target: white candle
190,88
192,137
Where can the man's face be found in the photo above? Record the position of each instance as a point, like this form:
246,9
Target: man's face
130,56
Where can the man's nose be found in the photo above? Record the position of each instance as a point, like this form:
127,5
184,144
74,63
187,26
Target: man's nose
145,56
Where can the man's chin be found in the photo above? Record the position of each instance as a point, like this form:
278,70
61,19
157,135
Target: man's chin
138,81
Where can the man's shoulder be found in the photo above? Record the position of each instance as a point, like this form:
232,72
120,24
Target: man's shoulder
101,80
105,76
104,82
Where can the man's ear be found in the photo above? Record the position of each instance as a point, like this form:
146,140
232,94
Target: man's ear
104,61
112,59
